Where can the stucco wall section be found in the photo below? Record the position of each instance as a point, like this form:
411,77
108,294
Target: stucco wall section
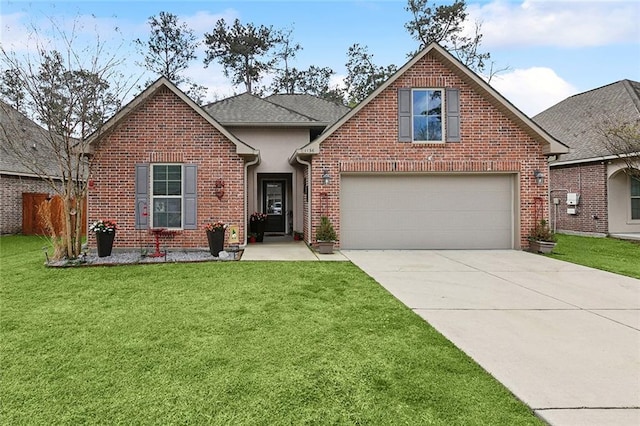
490,142
164,129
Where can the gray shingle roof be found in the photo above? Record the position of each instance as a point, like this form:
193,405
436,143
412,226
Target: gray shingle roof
322,110
250,110
574,120
17,132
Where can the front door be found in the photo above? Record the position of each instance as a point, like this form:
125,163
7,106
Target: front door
273,204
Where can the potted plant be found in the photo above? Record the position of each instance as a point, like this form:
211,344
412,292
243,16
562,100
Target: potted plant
298,236
105,232
215,237
252,238
542,239
325,236
257,222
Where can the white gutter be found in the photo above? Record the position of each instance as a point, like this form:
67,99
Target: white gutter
594,159
246,197
309,194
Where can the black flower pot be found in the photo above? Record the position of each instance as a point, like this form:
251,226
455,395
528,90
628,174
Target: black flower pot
105,243
216,241
257,227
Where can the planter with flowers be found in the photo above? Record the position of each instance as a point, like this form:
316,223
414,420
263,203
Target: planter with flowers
105,231
257,223
215,237
542,239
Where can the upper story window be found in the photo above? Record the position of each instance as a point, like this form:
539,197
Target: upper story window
166,196
429,115
635,198
426,113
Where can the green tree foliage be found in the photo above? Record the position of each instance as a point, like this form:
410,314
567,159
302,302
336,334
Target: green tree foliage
314,81
363,76
246,52
286,77
11,89
444,24
169,50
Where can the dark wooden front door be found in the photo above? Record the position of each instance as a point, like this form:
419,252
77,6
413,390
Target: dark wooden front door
273,204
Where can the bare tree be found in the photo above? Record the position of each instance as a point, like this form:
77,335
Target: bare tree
70,92
621,138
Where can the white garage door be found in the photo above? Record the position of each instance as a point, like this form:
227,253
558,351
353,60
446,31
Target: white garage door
427,211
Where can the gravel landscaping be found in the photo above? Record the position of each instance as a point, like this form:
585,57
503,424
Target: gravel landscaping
135,257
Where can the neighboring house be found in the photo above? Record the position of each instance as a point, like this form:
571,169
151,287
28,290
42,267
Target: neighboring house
590,189
20,183
434,159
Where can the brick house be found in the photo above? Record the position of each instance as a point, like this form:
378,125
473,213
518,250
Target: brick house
590,190
434,158
20,183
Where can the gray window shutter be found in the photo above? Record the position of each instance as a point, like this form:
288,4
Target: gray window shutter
142,196
190,197
452,121
404,115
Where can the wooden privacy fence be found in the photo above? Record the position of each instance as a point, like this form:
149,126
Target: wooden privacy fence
32,221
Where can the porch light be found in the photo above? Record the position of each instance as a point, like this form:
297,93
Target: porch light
539,177
326,177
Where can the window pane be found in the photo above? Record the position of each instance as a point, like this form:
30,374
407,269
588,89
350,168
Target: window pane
435,128
174,172
174,188
435,102
159,188
635,187
420,129
159,173
635,208
419,102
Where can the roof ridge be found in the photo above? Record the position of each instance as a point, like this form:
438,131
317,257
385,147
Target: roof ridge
633,94
290,110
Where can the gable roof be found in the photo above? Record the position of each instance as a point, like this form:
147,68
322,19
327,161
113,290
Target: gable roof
21,130
241,147
549,144
574,120
249,110
320,109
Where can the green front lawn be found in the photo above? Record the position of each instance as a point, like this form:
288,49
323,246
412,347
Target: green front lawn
226,343
609,254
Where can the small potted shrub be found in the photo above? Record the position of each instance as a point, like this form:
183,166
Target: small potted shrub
542,239
325,236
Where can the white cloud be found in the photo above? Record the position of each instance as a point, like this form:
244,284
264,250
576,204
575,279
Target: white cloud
532,90
558,23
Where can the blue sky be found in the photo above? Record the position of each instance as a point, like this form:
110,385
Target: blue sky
553,49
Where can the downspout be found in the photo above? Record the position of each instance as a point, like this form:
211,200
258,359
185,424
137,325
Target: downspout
310,194
246,197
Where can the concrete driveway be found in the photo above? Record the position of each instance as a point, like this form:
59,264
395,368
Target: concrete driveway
563,338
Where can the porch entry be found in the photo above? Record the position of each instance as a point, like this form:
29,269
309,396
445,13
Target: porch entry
274,204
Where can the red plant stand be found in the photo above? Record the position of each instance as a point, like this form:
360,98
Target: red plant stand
157,232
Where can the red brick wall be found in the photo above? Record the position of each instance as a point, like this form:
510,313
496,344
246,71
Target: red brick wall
165,130
490,142
590,181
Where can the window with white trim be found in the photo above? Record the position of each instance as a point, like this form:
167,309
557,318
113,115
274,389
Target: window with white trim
635,197
426,115
166,195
